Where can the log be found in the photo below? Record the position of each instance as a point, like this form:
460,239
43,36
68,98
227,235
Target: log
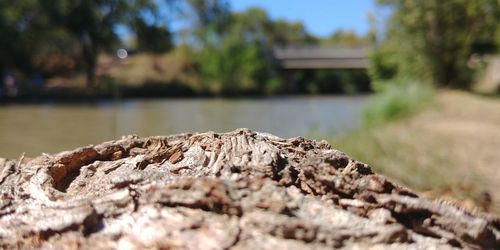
236,190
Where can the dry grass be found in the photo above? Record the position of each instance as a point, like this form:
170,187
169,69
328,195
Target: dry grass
137,69
451,149
143,68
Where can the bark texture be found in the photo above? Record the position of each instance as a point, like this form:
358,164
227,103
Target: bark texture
236,190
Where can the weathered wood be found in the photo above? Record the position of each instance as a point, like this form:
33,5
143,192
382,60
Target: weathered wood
237,190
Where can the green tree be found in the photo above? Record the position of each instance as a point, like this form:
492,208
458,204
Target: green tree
92,23
236,60
236,52
284,32
432,40
152,37
349,39
211,19
18,33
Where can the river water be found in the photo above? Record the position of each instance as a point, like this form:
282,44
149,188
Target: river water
50,128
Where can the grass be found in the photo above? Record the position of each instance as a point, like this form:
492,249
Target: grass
140,68
137,69
395,101
447,149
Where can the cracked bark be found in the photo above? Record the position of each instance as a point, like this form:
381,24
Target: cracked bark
236,190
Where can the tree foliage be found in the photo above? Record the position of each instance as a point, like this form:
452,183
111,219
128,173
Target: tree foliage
152,37
229,52
211,18
235,60
432,40
92,23
18,33
33,30
238,58
343,38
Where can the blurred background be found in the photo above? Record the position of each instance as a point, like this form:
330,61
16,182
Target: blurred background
409,87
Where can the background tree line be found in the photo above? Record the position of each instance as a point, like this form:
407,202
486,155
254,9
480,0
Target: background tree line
230,52
433,41
36,34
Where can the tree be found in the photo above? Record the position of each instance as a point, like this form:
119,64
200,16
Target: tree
18,33
211,18
235,60
152,37
345,38
92,23
432,40
236,47
284,32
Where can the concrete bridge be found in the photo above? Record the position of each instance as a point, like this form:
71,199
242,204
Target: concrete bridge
317,57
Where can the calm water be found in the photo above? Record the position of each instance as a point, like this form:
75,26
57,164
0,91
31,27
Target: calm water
51,128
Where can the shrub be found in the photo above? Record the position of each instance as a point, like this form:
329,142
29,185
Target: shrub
396,100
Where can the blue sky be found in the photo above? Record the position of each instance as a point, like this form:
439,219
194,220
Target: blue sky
321,17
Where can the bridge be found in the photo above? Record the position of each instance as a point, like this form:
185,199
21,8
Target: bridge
317,57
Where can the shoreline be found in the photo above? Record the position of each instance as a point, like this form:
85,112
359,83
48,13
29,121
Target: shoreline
83,98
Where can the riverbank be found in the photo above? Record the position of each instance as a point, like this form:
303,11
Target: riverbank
64,95
449,150
170,75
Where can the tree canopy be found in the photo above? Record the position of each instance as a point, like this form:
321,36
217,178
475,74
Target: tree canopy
238,57
432,40
84,28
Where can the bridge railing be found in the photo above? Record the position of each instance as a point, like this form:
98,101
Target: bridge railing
310,57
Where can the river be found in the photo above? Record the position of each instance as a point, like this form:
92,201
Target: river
50,128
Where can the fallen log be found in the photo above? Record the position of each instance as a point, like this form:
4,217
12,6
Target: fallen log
236,190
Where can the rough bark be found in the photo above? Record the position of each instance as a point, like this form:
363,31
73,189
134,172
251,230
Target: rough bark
237,190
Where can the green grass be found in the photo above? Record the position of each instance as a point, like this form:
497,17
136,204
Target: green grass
396,100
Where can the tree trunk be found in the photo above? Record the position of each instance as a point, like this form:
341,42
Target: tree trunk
237,190
90,59
90,75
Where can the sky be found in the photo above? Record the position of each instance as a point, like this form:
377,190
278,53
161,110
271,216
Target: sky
320,17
